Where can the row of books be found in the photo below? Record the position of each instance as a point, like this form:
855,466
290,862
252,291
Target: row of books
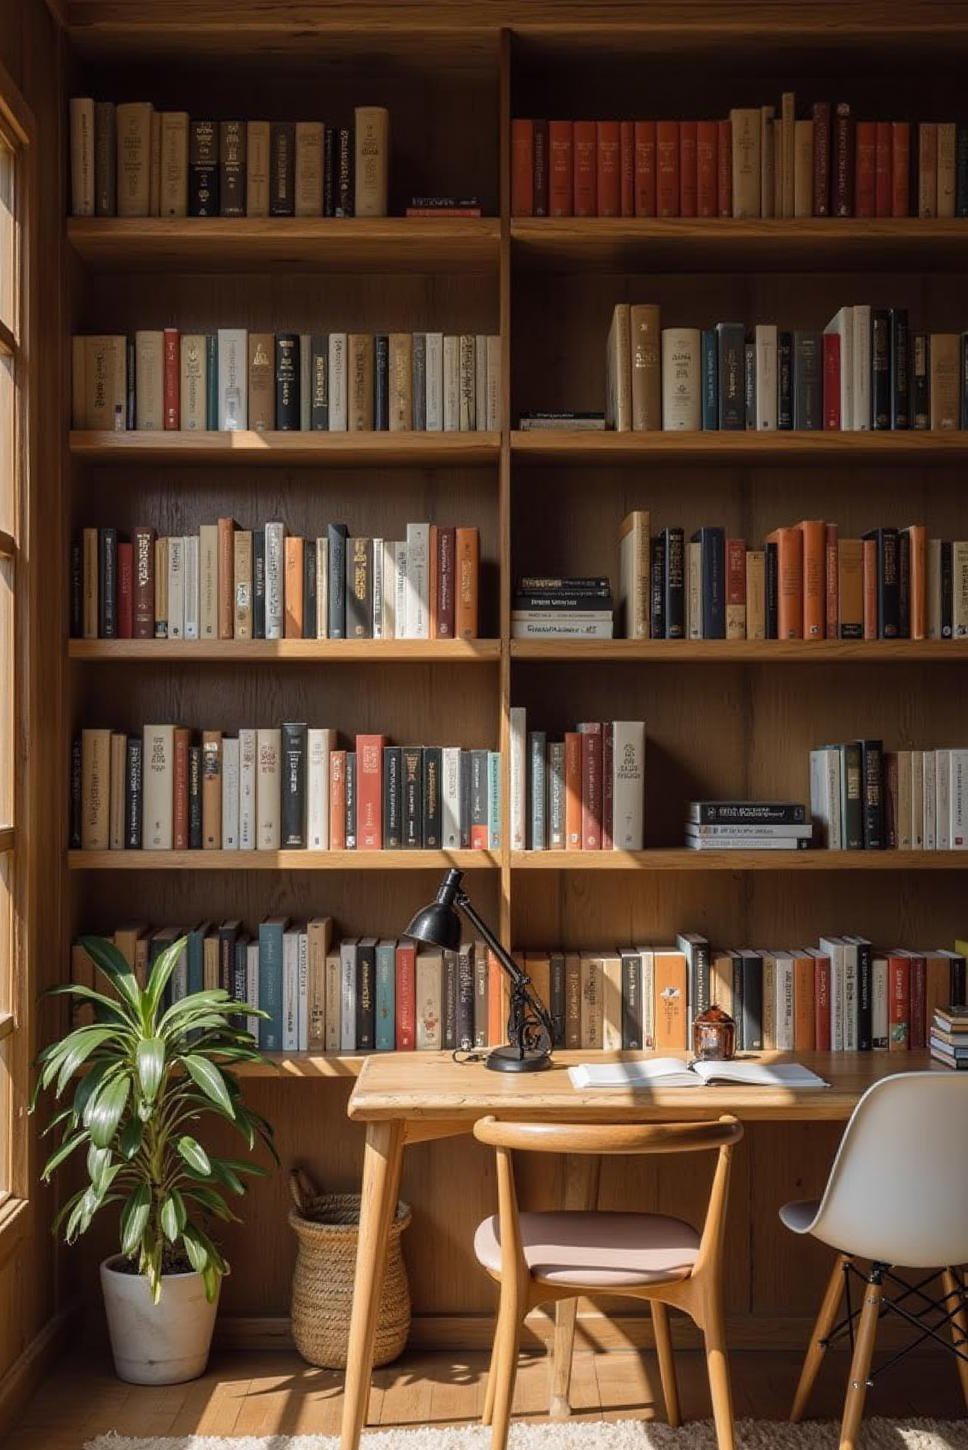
130,160
865,798
866,370
290,381
753,163
948,1036
289,788
562,608
749,825
230,583
584,792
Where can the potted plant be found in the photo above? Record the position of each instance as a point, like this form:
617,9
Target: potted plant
141,1075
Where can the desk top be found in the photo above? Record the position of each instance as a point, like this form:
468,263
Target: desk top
431,1087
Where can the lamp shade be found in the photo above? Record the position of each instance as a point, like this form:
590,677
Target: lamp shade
438,924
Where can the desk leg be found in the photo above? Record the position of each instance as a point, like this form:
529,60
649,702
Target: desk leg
582,1173
381,1183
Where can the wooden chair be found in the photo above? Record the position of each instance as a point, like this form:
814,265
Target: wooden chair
542,1257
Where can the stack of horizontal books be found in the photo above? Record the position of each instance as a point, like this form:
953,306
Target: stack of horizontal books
747,826
545,608
949,1036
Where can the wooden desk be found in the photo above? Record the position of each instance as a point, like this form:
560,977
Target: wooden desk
413,1097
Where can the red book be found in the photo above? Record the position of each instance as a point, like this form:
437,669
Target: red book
522,168
540,168
865,169
667,167
446,551
735,588
842,161
898,1001
171,383
406,996
688,184
125,591
821,983
724,168
608,798
917,1038
804,1003
143,548
882,169
561,165
645,168
627,166
586,168
821,158
831,380
832,581
572,791
706,167
497,1002
900,168
179,835
591,786
608,147
369,792
337,800
869,577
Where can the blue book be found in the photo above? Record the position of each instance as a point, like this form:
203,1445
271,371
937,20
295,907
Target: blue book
712,542
336,610
270,982
537,749
494,799
386,956
710,380
211,380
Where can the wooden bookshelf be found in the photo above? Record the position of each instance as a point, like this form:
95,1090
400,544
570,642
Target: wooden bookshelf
295,651
337,450
682,859
742,651
665,450
353,861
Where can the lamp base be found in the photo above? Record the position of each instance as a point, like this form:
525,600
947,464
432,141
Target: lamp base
509,1059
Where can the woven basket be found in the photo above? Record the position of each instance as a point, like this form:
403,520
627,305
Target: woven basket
327,1229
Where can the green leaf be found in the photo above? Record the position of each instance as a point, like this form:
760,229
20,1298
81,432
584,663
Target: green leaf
195,1247
77,1048
98,1162
211,1278
59,1154
165,964
114,1006
106,1109
170,1226
131,1138
194,1155
111,964
210,1080
134,1218
150,1059
91,1082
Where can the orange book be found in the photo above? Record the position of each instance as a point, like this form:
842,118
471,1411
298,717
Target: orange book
688,166
804,1003
918,581
293,587
497,1002
179,836
645,168
467,550
882,169
585,144
561,166
814,533
865,171
171,387
626,153
707,167
789,561
832,580
870,588
369,792
337,800
226,578
538,967
433,586
522,168
212,790
608,158
671,1009
573,761
900,168
667,167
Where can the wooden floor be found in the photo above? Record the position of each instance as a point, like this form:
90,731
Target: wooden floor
271,1392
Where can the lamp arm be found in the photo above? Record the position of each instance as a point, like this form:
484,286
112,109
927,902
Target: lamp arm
521,992
504,957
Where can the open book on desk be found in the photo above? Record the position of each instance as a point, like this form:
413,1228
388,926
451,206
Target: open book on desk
672,1072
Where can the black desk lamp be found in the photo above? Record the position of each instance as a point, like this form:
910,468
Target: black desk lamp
530,1029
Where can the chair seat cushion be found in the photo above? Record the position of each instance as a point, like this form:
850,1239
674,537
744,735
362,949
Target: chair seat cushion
597,1249
800,1214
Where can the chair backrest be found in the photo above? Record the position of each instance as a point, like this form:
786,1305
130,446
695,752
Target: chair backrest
898,1189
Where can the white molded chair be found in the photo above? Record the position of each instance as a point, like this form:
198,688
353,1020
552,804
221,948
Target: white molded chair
897,1195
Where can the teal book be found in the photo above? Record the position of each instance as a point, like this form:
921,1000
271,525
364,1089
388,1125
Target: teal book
270,982
211,380
386,955
494,800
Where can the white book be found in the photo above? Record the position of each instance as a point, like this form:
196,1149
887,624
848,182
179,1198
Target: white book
231,777
518,746
158,787
290,990
385,563
82,156
861,354
149,371
930,801
190,549
322,588
783,970
879,1004
268,790
825,797
675,1072
176,588
628,785
468,384
248,755
417,605
400,588
958,800
647,958
450,800
305,381
347,994
480,381
319,745
252,985
493,399
833,947
435,381
208,581
959,588
302,991
942,790
917,800
275,579
451,385
377,578
681,379
766,377
567,627
192,382
851,989
842,324
233,387
337,382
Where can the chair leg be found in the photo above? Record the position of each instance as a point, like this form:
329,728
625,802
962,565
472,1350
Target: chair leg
504,1361
566,1311
488,1413
954,1286
833,1294
667,1363
861,1363
717,1368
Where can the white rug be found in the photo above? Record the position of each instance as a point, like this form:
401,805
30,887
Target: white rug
588,1435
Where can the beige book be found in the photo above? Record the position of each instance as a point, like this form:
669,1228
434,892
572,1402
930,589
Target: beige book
210,961
429,978
319,936
777,130
242,541
788,117
467,394
308,188
82,156
492,388
959,589
694,591
755,594
946,168
618,370
91,610
592,995
767,160
161,588
173,199
208,581
645,344
154,164
257,168
95,790
903,824
681,379
944,355
745,126
149,371
133,122
332,1006
768,1022
372,132
129,938
634,574
480,380
119,751
322,589
803,169
104,379
268,798
611,1003
359,394
401,382
261,382
158,784
191,397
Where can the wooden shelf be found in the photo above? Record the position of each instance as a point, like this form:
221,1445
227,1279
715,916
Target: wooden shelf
287,244
745,651
682,859
406,450
291,651
304,1064
716,244
280,860
820,448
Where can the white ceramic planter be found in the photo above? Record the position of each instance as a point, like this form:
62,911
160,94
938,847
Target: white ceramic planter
163,1343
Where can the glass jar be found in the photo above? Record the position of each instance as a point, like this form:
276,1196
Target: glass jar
713,1035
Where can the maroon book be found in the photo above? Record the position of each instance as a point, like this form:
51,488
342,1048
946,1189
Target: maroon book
821,158
143,564
446,551
843,161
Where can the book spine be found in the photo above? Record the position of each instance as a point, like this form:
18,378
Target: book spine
203,169
282,168
231,170
842,161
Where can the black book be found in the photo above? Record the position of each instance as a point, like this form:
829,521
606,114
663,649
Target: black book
293,786
366,994
479,825
900,369
228,934
287,381
557,1004
749,388
872,764
744,813
77,589
712,545
961,169
865,995
258,583
559,600
736,959
675,583
958,986
411,761
631,1001
309,589
344,172
784,380
351,800
282,168
231,168
431,797
194,797
731,339
392,799
329,171
465,799
752,994
807,381
657,622
448,1003
107,584
381,383
852,794
319,382
337,535
771,570
888,591
903,584
74,825
963,420
133,793
419,383
359,588
465,997
240,975
947,590
881,388
920,382
203,168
